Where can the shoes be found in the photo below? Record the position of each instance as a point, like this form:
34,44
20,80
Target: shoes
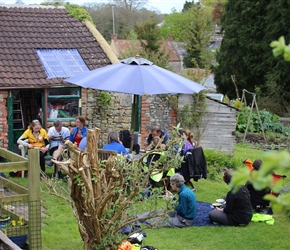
50,164
60,175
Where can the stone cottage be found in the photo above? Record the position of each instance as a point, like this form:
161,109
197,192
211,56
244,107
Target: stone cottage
40,46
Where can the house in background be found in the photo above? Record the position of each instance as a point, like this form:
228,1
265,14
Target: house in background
121,46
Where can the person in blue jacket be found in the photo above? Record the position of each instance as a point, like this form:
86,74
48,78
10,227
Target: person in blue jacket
79,131
115,144
185,210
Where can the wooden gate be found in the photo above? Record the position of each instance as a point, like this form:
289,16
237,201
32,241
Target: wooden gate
29,197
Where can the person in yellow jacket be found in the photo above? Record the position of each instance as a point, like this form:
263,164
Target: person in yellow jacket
36,137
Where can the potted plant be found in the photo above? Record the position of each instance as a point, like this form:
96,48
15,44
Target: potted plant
9,230
4,219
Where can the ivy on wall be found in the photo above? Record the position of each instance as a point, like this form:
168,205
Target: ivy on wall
104,102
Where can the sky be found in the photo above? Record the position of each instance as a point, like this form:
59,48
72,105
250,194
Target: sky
164,6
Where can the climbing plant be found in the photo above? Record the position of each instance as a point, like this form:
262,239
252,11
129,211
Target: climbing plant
192,115
104,102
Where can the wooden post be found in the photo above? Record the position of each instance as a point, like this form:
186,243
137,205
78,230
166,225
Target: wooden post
34,200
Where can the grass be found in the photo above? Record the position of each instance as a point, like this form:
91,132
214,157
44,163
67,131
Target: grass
60,231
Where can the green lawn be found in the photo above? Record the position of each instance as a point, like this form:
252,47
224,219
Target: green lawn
60,231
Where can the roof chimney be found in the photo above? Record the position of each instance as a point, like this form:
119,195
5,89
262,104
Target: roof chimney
170,37
114,37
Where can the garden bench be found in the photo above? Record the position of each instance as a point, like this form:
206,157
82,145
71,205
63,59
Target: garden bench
105,154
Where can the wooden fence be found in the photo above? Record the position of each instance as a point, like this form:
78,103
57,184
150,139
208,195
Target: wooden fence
31,196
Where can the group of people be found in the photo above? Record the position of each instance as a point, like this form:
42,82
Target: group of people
238,210
239,205
52,141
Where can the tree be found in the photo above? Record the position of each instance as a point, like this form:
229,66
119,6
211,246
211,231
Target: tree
187,5
212,3
124,19
248,29
196,36
129,4
150,40
149,36
174,24
104,193
243,35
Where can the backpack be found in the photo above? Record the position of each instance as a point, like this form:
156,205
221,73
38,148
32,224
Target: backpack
125,138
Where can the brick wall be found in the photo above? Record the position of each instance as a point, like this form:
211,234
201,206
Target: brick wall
3,119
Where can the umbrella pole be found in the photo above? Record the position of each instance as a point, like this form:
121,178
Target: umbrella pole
133,122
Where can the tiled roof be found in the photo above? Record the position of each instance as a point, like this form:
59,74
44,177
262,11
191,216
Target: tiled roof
25,29
119,46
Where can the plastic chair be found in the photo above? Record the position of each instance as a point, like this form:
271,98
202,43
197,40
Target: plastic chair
24,149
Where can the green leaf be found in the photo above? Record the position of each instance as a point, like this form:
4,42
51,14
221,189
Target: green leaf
287,53
274,44
279,50
282,40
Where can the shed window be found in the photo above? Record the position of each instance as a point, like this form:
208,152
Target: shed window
63,103
61,62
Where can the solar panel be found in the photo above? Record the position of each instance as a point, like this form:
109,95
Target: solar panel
61,63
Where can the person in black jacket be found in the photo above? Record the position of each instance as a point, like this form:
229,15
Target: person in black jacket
257,196
238,209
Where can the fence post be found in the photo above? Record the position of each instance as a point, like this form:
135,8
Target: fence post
34,200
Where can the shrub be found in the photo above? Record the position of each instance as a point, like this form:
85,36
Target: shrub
217,162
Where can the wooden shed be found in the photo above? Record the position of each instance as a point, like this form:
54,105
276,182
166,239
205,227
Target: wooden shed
218,127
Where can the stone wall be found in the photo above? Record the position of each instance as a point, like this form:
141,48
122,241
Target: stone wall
156,110
116,117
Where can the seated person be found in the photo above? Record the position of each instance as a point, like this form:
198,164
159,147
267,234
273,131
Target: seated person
57,136
37,137
238,209
257,199
125,138
155,142
79,131
114,144
156,131
189,142
185,210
